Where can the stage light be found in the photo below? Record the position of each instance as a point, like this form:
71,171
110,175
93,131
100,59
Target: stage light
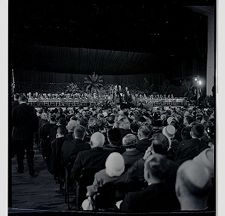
196,79
200,82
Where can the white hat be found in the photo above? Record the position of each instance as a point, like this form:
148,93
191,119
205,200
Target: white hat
169,131
114,164
105,114
87,205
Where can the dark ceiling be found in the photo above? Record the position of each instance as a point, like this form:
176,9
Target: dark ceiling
163,29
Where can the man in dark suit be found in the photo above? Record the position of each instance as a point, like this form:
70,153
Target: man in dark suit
89,162
114,138
54,166
71,148
47,135
131,154
135,174
92,159
144,134
157,196
192,147
25,123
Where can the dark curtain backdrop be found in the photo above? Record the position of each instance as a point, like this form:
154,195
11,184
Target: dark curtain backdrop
39,81
83,60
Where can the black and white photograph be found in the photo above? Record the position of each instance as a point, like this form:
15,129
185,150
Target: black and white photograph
112,107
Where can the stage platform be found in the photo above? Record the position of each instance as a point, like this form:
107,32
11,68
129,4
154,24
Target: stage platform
86,103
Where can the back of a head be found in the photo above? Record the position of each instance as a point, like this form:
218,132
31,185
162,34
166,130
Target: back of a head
134,127
156,167
53,118
44,116
123,122
114,164
188,119
22,99
197,130
129,141
114,136
193,181
145,131
97,140
79,132
110,119
61,130
185,133
16,97
160,143
71,125
62,121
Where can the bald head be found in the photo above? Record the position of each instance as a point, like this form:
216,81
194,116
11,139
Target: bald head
97,140
192,184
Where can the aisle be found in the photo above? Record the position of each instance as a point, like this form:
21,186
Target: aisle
39,192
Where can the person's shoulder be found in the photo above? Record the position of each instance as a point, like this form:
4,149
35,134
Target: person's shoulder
100,174
187,143
84,153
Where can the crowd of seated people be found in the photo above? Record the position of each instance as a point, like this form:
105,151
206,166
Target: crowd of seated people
149,159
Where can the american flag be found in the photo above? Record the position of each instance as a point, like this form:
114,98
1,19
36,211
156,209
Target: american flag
13,84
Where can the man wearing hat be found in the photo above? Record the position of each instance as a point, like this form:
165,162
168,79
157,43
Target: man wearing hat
169,131
114,168
131,154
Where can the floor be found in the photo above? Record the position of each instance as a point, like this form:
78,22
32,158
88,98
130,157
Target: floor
39,193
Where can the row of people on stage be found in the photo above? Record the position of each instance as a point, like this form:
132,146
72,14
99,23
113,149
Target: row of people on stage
117,96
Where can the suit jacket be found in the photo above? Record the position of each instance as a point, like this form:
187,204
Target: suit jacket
156,197
100,179
92,159
131,156
124,132
135,174
120,149
47,135
54,166
143,144
189,149
24,122
71,148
